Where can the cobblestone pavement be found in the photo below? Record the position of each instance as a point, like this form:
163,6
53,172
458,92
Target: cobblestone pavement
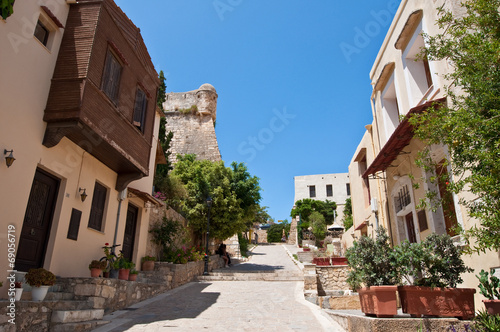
229,305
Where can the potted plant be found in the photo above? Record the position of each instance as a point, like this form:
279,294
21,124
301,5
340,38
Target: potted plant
40,280
490,290
372,264
320,258
148,263
133,275
123,266
96,267
432,268
19,290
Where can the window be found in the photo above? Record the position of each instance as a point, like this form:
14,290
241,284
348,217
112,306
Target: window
111,77
348,189
140,109
329,190
41,33
390,117
312,191
97,209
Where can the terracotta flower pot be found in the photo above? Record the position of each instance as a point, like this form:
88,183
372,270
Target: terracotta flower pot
441,302
94,273
379,301
148,266
321,261
492,306
339,261
132,277
306,249
123,274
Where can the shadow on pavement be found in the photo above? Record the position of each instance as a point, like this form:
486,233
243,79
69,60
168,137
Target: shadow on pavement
165,311
250,267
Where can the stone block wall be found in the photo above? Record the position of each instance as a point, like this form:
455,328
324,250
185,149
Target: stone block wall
333,277
260,236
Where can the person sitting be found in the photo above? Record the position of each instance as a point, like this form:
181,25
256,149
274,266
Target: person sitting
222,253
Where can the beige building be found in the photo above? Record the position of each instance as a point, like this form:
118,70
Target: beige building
79,113
322,187
383,184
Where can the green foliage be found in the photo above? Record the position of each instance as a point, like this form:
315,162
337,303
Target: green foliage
148,258
275,233
193,110
261,215
489,288
306,206
486,322
347,219
6,8
470,125
165,232
40,277
434,262
162,90
243,244
95,264
247,190
372,262
184,254
318,225
232,207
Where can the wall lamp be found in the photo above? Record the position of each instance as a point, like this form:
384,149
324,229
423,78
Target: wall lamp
9,160
83,195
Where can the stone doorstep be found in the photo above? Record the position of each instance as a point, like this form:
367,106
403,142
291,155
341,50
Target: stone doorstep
80,326
75,316
355,320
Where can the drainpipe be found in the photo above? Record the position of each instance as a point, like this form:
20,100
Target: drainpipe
121,197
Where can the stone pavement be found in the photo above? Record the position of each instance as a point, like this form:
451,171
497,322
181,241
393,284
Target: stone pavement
230,305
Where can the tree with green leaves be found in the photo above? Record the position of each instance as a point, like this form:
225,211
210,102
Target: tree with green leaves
318,225
247,191
231,207
6,8
470,124
162,90
347,219
306,206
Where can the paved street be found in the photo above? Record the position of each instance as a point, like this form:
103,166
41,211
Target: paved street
230,305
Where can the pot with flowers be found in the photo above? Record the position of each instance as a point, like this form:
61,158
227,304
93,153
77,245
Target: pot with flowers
19,290
96,267
40,280
133,274
432,269
372,265
148,263
490,290
123,266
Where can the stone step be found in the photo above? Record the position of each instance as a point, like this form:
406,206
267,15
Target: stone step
241,276
58,296
76,316
78,327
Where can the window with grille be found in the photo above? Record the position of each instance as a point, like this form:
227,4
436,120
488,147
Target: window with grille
329,190
312,191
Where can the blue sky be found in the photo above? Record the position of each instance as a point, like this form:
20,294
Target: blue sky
292,77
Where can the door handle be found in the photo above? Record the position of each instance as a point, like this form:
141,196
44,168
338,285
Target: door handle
32,232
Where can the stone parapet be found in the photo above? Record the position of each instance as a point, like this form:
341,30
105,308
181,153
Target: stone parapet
333,277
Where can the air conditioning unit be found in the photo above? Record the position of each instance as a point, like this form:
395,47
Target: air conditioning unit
374,205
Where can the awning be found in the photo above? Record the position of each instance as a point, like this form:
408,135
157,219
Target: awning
398,140
144,196
361,226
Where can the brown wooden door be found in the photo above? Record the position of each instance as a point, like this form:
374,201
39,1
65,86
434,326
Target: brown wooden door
410,226
130,226
37,221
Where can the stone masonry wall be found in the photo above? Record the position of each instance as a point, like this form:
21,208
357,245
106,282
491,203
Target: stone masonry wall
193,129
333,277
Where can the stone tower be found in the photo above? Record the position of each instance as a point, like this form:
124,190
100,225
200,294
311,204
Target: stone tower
191,117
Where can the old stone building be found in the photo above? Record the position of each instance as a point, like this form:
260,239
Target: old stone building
191,117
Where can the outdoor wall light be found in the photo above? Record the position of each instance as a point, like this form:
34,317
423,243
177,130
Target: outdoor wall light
83,195
9,160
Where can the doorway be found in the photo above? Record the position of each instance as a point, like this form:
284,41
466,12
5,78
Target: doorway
410,226
129,236
37,221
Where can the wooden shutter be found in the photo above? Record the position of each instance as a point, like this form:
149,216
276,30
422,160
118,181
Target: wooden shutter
140,109
111,77
97,209
74,224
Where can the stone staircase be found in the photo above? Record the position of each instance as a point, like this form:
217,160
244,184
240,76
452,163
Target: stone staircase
253,276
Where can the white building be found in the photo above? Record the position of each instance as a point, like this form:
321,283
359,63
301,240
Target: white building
332,187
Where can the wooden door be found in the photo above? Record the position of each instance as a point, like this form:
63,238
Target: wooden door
129,237
37,221
410,226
